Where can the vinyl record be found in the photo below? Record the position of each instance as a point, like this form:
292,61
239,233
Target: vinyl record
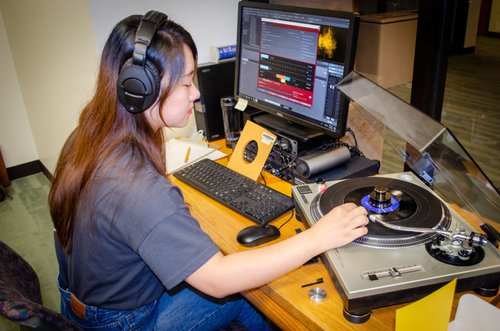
408,205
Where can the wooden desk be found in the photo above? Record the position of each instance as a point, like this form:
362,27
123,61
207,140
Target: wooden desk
283,300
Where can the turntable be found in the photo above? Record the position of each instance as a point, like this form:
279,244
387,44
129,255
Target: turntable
389,265
417,239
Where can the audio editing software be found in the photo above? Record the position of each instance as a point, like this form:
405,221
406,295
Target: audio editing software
286,72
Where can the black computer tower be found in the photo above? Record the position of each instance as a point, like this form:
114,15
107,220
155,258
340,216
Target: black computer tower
215,80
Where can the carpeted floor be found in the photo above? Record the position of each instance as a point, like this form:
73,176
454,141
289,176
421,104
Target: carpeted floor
26,226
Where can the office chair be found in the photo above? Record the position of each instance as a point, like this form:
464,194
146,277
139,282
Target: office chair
20,296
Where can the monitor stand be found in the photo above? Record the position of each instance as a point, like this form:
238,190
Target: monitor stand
282,126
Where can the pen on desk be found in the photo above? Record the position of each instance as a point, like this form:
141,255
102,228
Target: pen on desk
187,155
318,281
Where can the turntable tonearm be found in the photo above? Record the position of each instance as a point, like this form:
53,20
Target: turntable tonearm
417,239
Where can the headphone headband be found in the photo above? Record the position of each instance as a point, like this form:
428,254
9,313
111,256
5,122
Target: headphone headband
145,33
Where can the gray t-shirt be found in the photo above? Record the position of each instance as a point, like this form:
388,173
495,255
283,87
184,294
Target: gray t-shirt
141,240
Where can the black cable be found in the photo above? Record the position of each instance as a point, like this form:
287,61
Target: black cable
261,175
288,220
353,136
354,149
286,166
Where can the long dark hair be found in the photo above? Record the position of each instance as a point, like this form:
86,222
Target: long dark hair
105,126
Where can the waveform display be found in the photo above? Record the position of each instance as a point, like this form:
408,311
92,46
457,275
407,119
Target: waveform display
327,43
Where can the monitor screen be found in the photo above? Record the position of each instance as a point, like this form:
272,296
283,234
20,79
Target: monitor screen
289,60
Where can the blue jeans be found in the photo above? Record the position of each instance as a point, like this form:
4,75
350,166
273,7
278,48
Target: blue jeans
184,310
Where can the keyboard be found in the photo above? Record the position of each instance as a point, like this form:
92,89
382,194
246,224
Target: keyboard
251,199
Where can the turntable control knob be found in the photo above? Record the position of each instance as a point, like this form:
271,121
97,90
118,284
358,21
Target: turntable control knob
380,196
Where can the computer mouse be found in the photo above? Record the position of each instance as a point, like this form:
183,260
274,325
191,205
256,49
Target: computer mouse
257,235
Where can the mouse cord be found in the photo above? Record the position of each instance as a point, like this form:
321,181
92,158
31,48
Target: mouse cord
291,215
288,220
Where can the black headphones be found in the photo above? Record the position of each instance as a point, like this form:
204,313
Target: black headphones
138,82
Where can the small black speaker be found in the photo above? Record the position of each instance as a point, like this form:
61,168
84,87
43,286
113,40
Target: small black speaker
215,81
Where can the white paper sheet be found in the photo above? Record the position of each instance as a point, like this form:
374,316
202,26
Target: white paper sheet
177,153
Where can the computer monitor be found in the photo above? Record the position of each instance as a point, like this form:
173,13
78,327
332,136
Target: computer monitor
289,60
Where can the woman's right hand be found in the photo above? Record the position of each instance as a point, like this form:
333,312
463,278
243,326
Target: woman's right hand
340,226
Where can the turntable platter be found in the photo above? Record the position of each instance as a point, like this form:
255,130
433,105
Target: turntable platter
396,201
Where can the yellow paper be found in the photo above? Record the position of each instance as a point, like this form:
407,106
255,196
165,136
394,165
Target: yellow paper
241,105
265,141
429,313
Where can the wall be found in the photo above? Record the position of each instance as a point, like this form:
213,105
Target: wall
472,23
211,23
51,52
345,5
494,25
16,141
55,61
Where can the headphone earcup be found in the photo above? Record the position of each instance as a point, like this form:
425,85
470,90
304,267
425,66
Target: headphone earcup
138,86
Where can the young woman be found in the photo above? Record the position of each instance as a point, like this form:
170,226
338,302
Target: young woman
130,254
